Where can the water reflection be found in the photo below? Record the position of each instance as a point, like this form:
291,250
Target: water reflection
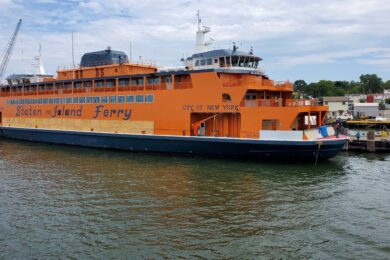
78,202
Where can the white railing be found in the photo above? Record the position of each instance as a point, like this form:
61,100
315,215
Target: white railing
171,68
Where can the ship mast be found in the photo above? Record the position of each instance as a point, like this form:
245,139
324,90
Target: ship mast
201,44
39,69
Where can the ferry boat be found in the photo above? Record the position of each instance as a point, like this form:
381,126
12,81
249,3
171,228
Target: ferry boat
218,104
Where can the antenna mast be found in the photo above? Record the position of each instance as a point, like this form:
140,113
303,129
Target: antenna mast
130,54
201,44
8,52
199,20
72,51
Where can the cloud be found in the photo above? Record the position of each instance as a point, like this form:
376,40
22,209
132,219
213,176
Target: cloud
288,34
94,6
334,56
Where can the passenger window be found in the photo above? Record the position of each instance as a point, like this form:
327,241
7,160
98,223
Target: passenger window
209,61
149,98
203,62
196,63
129,99
139,99
113,99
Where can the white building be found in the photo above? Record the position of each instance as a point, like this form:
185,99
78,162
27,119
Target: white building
337,105
366,109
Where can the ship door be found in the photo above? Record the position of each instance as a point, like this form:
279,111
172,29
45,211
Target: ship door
202,129
216,124
1,118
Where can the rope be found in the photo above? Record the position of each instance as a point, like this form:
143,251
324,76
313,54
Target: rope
318,152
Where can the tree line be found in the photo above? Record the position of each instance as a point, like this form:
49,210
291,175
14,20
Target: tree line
368,83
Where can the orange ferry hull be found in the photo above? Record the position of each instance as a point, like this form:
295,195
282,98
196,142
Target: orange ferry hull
203,146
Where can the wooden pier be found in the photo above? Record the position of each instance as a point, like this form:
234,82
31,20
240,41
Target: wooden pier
371,143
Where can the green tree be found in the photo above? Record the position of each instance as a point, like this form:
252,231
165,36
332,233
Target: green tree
338,92
345,85
386,85
355,87
320,89
311,90
300,85
371,83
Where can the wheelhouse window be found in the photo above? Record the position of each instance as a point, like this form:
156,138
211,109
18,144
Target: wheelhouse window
228,61
239,61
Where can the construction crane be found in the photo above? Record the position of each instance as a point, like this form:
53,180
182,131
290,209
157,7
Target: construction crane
8,51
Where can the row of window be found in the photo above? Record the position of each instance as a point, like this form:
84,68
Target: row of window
84,100
204,62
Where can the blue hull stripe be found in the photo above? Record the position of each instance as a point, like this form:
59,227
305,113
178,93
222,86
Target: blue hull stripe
209,146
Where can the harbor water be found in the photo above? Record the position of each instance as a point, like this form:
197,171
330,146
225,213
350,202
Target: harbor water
71,202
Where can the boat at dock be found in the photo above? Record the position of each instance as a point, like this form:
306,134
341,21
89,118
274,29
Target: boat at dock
219,103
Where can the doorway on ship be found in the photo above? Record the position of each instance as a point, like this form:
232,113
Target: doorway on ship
308,120
1,118
216,124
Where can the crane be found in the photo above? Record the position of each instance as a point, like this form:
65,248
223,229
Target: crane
8,51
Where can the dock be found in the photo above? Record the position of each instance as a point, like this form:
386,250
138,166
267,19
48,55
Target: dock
366,145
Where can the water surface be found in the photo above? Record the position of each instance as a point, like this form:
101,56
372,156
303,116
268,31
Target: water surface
71,202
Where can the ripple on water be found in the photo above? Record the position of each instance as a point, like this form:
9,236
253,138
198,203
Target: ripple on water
85,203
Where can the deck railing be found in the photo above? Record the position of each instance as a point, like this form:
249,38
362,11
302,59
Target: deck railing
279,103
104,88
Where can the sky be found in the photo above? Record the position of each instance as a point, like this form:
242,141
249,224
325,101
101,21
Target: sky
297,39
